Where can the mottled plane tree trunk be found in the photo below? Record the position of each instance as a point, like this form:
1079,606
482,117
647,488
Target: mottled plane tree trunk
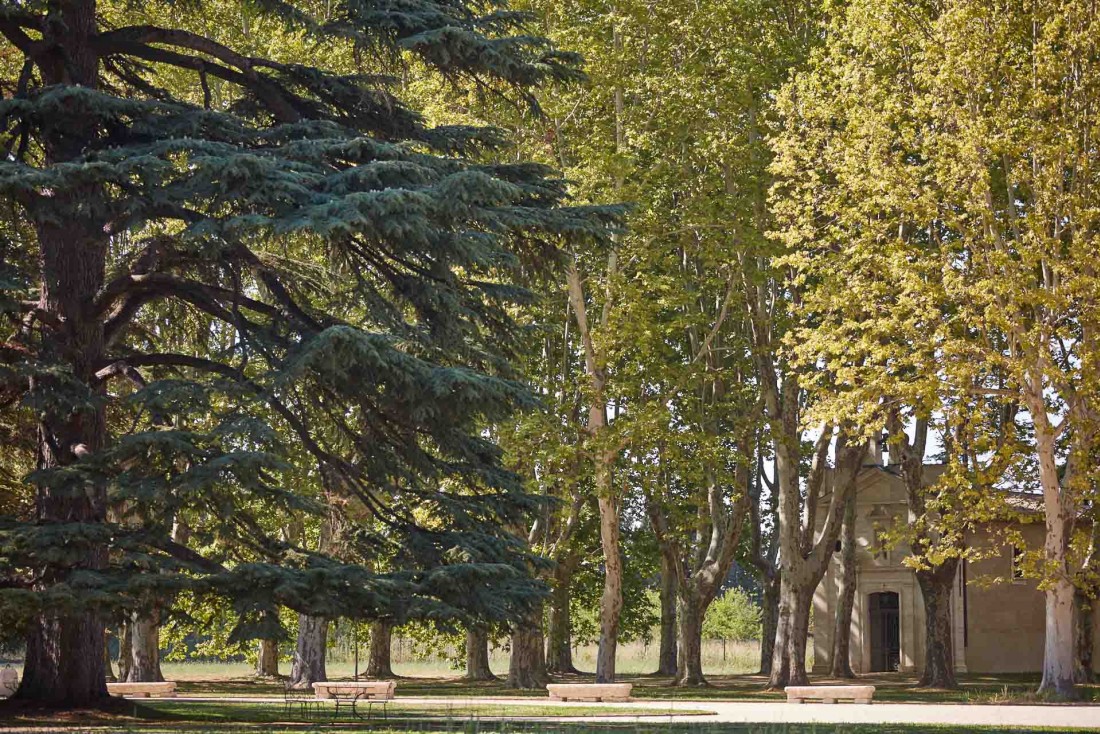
763,554
603,459
666,657
805,552
703,559
938,559
559,642
311,646
841,664
1085,600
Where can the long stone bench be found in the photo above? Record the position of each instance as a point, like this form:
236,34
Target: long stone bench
830,694
144,690
589,691
364,689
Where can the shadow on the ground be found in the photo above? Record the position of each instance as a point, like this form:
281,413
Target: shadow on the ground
1012,688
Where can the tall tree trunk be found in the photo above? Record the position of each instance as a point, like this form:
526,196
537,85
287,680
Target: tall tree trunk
63,663
107,656
477,655
1059,649
798,634
559,658
380,664
1084,668
780,668
689,618
611,601
144,648
842,629
1058,508
936,584
310,651
527,662
940,557
125,657
781,397
769,622
1088,586
267,659
666,659
805,555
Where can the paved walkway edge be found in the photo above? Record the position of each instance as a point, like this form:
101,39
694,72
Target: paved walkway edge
777,712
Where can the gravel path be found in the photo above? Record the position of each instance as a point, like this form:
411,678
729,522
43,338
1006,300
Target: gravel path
1081,716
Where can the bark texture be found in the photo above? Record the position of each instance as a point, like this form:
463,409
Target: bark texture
611,600
63,665
125,657
379,664
144,648
527,662
939,559
559,644
1059,509
769,623
841,664
267,659
477,655
805,553
1085,668
608,501
689,624
1058,657
666,658
939,651
309,653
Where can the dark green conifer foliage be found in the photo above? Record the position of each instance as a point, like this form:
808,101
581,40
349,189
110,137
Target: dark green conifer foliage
211,306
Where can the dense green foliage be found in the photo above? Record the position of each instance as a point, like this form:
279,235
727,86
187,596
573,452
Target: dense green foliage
278,292
320,306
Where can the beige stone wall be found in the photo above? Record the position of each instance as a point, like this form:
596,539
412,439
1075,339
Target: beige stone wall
1005,620
999,627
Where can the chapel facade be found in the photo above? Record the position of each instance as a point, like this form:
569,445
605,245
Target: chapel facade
997,627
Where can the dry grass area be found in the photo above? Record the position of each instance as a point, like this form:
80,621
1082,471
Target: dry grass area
634,659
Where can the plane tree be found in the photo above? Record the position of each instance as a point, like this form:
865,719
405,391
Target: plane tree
953,146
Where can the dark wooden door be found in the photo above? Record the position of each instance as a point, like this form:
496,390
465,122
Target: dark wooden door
885,627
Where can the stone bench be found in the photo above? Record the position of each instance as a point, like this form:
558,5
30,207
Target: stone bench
364,689
144,690
830,694
589,691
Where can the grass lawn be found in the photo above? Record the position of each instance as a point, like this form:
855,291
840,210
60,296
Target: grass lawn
164,718
140,713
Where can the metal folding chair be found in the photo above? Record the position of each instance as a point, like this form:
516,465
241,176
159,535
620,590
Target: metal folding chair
299,698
